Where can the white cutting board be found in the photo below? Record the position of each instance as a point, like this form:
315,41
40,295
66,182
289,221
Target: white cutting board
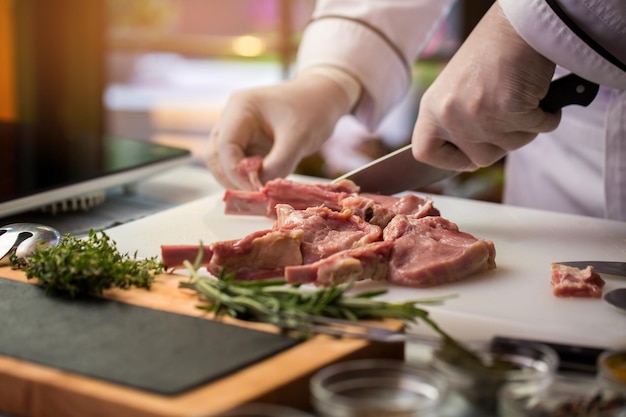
515,299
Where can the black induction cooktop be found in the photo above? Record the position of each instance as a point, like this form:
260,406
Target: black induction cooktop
41,168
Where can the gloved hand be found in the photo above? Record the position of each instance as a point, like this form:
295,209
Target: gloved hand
283,123
485,101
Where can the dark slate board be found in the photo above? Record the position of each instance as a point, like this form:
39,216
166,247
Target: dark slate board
138,347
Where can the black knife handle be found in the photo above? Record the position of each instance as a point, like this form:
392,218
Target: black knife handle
570,89
572,358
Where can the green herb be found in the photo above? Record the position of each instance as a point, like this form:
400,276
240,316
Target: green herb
262,300
79,267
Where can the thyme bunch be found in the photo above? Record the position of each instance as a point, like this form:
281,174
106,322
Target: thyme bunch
79,267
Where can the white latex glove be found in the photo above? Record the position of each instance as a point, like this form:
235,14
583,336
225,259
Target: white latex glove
485,101
283,123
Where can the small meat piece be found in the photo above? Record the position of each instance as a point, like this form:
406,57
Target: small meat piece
366,262
569,281
301,196
325,231
251,203
431,251
282,191
380,209
260,255
251,168
173,256
415,206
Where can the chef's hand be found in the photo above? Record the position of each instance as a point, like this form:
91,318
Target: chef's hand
282,123
485,102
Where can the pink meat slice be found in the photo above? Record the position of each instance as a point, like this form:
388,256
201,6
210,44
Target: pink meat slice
300,196
251,203
568,281
431,251
380,209
365,262
325,231
260,255
283,191
173,256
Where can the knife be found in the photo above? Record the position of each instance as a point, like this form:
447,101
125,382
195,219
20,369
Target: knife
398,171
601,267
572,358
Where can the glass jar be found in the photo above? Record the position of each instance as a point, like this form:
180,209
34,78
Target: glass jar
376,388
567,396
612,370
478,372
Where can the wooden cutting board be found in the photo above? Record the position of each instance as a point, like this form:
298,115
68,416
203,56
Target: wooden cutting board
32,390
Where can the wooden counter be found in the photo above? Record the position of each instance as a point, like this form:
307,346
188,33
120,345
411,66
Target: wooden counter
31,390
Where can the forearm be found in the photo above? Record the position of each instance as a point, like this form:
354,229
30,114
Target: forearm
375,42
602,23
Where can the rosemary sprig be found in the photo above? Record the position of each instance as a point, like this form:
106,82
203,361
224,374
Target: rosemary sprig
262,300
78,267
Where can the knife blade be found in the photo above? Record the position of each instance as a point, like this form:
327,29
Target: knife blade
601,267
398,171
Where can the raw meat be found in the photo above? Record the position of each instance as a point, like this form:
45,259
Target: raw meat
298,237
366,262
252,203
569,281
174,255
260,255
380,209
373,208
325,231
431,251
328,233
282,191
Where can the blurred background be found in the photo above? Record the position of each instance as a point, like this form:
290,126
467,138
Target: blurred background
162,70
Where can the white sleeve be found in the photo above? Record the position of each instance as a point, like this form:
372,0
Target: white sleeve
375,41
588,40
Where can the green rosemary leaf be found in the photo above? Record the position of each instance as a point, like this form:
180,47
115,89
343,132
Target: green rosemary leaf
261,300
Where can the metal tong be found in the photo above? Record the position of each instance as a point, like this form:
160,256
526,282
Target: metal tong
22,239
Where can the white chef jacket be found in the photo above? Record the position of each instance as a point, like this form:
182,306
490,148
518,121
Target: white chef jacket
579,168
375,41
